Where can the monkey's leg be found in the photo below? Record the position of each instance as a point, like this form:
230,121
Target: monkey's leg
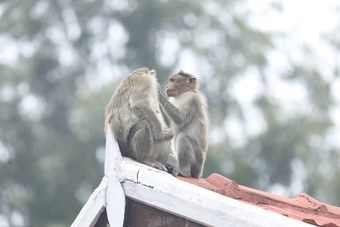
139,140
186,155
141,106
197,167
141,144
168,159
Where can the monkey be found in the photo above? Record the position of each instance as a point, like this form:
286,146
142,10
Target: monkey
135,118
186,109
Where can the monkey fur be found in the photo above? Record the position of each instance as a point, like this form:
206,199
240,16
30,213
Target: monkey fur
137,122
186,109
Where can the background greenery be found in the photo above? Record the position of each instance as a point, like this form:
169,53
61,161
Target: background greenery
271,128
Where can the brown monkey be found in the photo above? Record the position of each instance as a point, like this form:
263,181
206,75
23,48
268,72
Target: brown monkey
187,111
134,116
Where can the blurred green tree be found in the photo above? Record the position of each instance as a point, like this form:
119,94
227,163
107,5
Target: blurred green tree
61,61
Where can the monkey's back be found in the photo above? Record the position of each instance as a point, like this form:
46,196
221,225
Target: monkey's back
119,114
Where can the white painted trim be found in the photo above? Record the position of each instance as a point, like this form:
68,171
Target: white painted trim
91,210
113,156
115,194
109,194
165,192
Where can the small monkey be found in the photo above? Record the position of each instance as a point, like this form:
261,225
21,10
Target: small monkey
186,109
134,116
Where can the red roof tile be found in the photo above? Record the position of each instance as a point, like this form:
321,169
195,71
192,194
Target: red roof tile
304,207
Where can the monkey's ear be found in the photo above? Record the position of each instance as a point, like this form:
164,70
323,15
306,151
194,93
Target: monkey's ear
153,72
191,81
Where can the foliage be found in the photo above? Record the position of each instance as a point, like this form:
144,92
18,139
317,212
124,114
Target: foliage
62,60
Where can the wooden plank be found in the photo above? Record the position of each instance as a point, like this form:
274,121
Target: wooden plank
92,209
115,195
165,192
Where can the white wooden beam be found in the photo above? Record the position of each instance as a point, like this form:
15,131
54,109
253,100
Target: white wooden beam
115,199
165,192
89,214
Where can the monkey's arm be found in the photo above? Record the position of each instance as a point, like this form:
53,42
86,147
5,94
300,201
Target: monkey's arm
175,115
141,106
165,116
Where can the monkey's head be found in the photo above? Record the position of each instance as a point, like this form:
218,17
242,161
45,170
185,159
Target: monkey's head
145,71
180,83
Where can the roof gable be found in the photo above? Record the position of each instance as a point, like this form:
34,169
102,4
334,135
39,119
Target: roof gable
210,202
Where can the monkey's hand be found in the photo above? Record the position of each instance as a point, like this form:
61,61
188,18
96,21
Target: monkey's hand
166,135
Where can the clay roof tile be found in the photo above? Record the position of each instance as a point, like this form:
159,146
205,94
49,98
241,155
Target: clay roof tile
304,207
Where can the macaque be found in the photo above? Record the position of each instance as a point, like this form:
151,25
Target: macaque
137,122
186,109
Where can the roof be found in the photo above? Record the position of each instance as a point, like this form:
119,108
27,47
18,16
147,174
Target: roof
304,207
214,201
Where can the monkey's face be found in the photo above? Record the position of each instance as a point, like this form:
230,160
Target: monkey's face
177,85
